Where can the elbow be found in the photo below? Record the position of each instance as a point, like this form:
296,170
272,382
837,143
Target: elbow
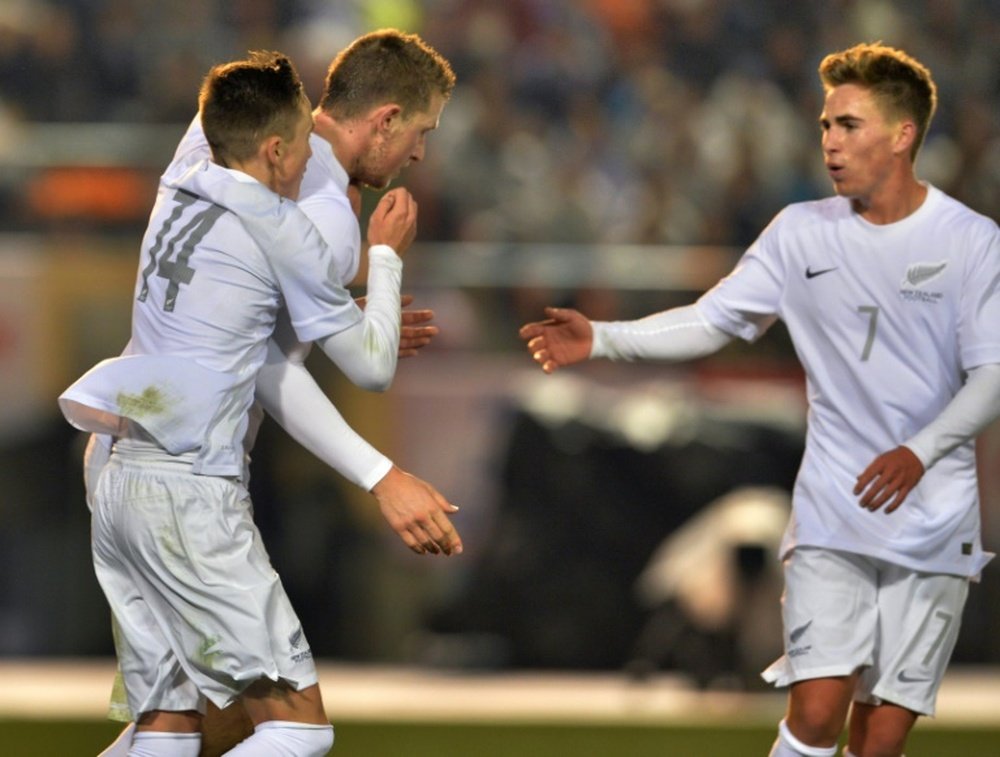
375,379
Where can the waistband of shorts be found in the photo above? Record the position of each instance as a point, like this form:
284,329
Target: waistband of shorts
132,450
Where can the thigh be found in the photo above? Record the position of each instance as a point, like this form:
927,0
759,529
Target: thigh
919,620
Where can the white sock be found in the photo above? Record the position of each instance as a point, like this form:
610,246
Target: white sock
120,746
789,746
284,738
165,744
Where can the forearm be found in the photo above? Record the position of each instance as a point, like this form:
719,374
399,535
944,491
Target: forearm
367,352
972,409
675,335
290,395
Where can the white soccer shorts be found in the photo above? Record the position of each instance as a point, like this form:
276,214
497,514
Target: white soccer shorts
199,610
844,611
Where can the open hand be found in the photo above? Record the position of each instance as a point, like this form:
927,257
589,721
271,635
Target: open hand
418,513
564,338
889,479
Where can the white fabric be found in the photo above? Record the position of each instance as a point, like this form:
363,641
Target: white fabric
789,746
323,197
282,738
290,395
163,744
974,407
885,320
677,334
199,610
366,352
120,746
376,337
221,255
844,611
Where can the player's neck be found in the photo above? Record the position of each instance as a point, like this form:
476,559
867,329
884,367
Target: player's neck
892,203
256,169
346,138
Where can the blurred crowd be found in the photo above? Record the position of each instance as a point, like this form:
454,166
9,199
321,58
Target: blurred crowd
607,121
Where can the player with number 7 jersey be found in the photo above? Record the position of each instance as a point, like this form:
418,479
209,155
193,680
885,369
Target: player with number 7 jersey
875,327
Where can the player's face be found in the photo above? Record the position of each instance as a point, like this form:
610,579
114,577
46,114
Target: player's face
859,142
296,153
401,143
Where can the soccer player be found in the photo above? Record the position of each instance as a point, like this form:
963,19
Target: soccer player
362,136
891,293
200,612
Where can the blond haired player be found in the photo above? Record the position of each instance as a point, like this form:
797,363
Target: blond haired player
199,610
891,293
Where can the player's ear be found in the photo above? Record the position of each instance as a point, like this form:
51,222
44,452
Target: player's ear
906,133
384,117
273,149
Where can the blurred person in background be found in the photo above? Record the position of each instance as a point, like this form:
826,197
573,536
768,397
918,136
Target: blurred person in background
891,294
185,448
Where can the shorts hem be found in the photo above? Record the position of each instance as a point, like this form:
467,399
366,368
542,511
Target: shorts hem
786,676
920,707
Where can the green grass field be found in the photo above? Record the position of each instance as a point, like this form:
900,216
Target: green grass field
68,738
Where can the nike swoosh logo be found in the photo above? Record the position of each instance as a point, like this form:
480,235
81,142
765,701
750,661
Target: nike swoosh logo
904,678
796,633
811,274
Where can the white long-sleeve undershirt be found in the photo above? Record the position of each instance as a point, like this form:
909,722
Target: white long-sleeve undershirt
682,334
367,352
676,334
973,408
289,394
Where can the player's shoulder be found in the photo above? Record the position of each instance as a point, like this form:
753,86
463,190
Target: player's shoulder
955,213
821,211
800,219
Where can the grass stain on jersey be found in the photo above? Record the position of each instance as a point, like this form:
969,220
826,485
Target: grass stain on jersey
150,402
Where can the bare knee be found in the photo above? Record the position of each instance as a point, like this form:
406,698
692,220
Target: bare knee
817,710
276,700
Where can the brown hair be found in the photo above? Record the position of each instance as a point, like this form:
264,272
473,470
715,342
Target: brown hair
385,66
244,102
902,86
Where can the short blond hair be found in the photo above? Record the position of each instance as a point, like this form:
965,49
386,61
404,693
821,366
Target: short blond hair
902,85
385,66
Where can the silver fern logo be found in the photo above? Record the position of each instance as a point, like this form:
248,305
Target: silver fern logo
919,274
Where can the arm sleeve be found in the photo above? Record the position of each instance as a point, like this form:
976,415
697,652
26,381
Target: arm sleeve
677,334
290,395
973,408
367,351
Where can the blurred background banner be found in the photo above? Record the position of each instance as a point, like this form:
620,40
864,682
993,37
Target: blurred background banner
615,155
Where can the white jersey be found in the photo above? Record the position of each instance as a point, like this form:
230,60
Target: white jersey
885,320
221,256
322,196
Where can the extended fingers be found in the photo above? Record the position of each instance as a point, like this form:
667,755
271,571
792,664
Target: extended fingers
413,317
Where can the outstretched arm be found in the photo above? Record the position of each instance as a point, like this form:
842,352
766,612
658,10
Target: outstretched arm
568,337
413,508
